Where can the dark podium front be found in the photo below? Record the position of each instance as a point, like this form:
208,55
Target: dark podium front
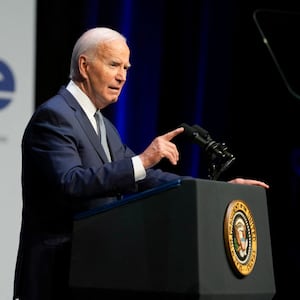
168,243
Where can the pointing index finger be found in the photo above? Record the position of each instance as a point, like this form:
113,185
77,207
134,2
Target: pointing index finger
171,134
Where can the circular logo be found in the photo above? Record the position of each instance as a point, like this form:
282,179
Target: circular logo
240,237
7,84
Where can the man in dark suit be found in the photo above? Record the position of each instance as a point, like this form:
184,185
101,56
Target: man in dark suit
65,168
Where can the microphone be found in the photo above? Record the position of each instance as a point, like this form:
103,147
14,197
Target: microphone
212,146
200,136
194,135
218,152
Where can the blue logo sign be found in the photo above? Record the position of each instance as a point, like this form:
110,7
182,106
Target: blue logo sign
7,84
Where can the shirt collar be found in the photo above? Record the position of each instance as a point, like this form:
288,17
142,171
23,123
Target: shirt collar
83,100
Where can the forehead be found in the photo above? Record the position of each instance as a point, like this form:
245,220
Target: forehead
117,49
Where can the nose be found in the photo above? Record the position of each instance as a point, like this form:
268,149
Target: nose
121,75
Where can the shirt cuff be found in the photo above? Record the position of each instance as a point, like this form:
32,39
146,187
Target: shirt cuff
138,168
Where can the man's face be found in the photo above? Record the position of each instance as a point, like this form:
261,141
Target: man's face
106,72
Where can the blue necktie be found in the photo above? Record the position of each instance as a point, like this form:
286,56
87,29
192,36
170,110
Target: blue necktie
102,133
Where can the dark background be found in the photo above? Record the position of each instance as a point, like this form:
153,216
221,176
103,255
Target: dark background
199,62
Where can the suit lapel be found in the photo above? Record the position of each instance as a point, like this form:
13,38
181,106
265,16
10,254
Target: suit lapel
90,133
84,123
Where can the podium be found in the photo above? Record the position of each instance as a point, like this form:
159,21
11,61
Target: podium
170,243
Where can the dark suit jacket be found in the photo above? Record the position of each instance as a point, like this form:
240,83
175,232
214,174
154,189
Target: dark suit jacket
64,171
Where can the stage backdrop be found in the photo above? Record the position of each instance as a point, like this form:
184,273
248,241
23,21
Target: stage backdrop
17,68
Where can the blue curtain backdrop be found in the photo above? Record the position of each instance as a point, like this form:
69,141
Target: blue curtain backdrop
199,62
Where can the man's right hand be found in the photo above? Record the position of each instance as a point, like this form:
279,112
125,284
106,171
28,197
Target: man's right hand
161,147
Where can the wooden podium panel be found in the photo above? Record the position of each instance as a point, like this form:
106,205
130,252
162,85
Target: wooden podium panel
170,242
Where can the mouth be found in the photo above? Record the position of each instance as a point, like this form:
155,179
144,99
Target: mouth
115,91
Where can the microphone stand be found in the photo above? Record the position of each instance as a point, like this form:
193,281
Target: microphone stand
218,163
219,158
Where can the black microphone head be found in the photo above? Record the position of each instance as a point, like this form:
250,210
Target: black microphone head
201,131
189,131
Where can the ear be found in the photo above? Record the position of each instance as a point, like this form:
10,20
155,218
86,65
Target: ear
83,65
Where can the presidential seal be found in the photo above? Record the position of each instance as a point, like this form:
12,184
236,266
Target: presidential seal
240,237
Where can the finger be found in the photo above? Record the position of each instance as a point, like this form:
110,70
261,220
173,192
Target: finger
259,183
172,154
171,134
250,182
254,182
